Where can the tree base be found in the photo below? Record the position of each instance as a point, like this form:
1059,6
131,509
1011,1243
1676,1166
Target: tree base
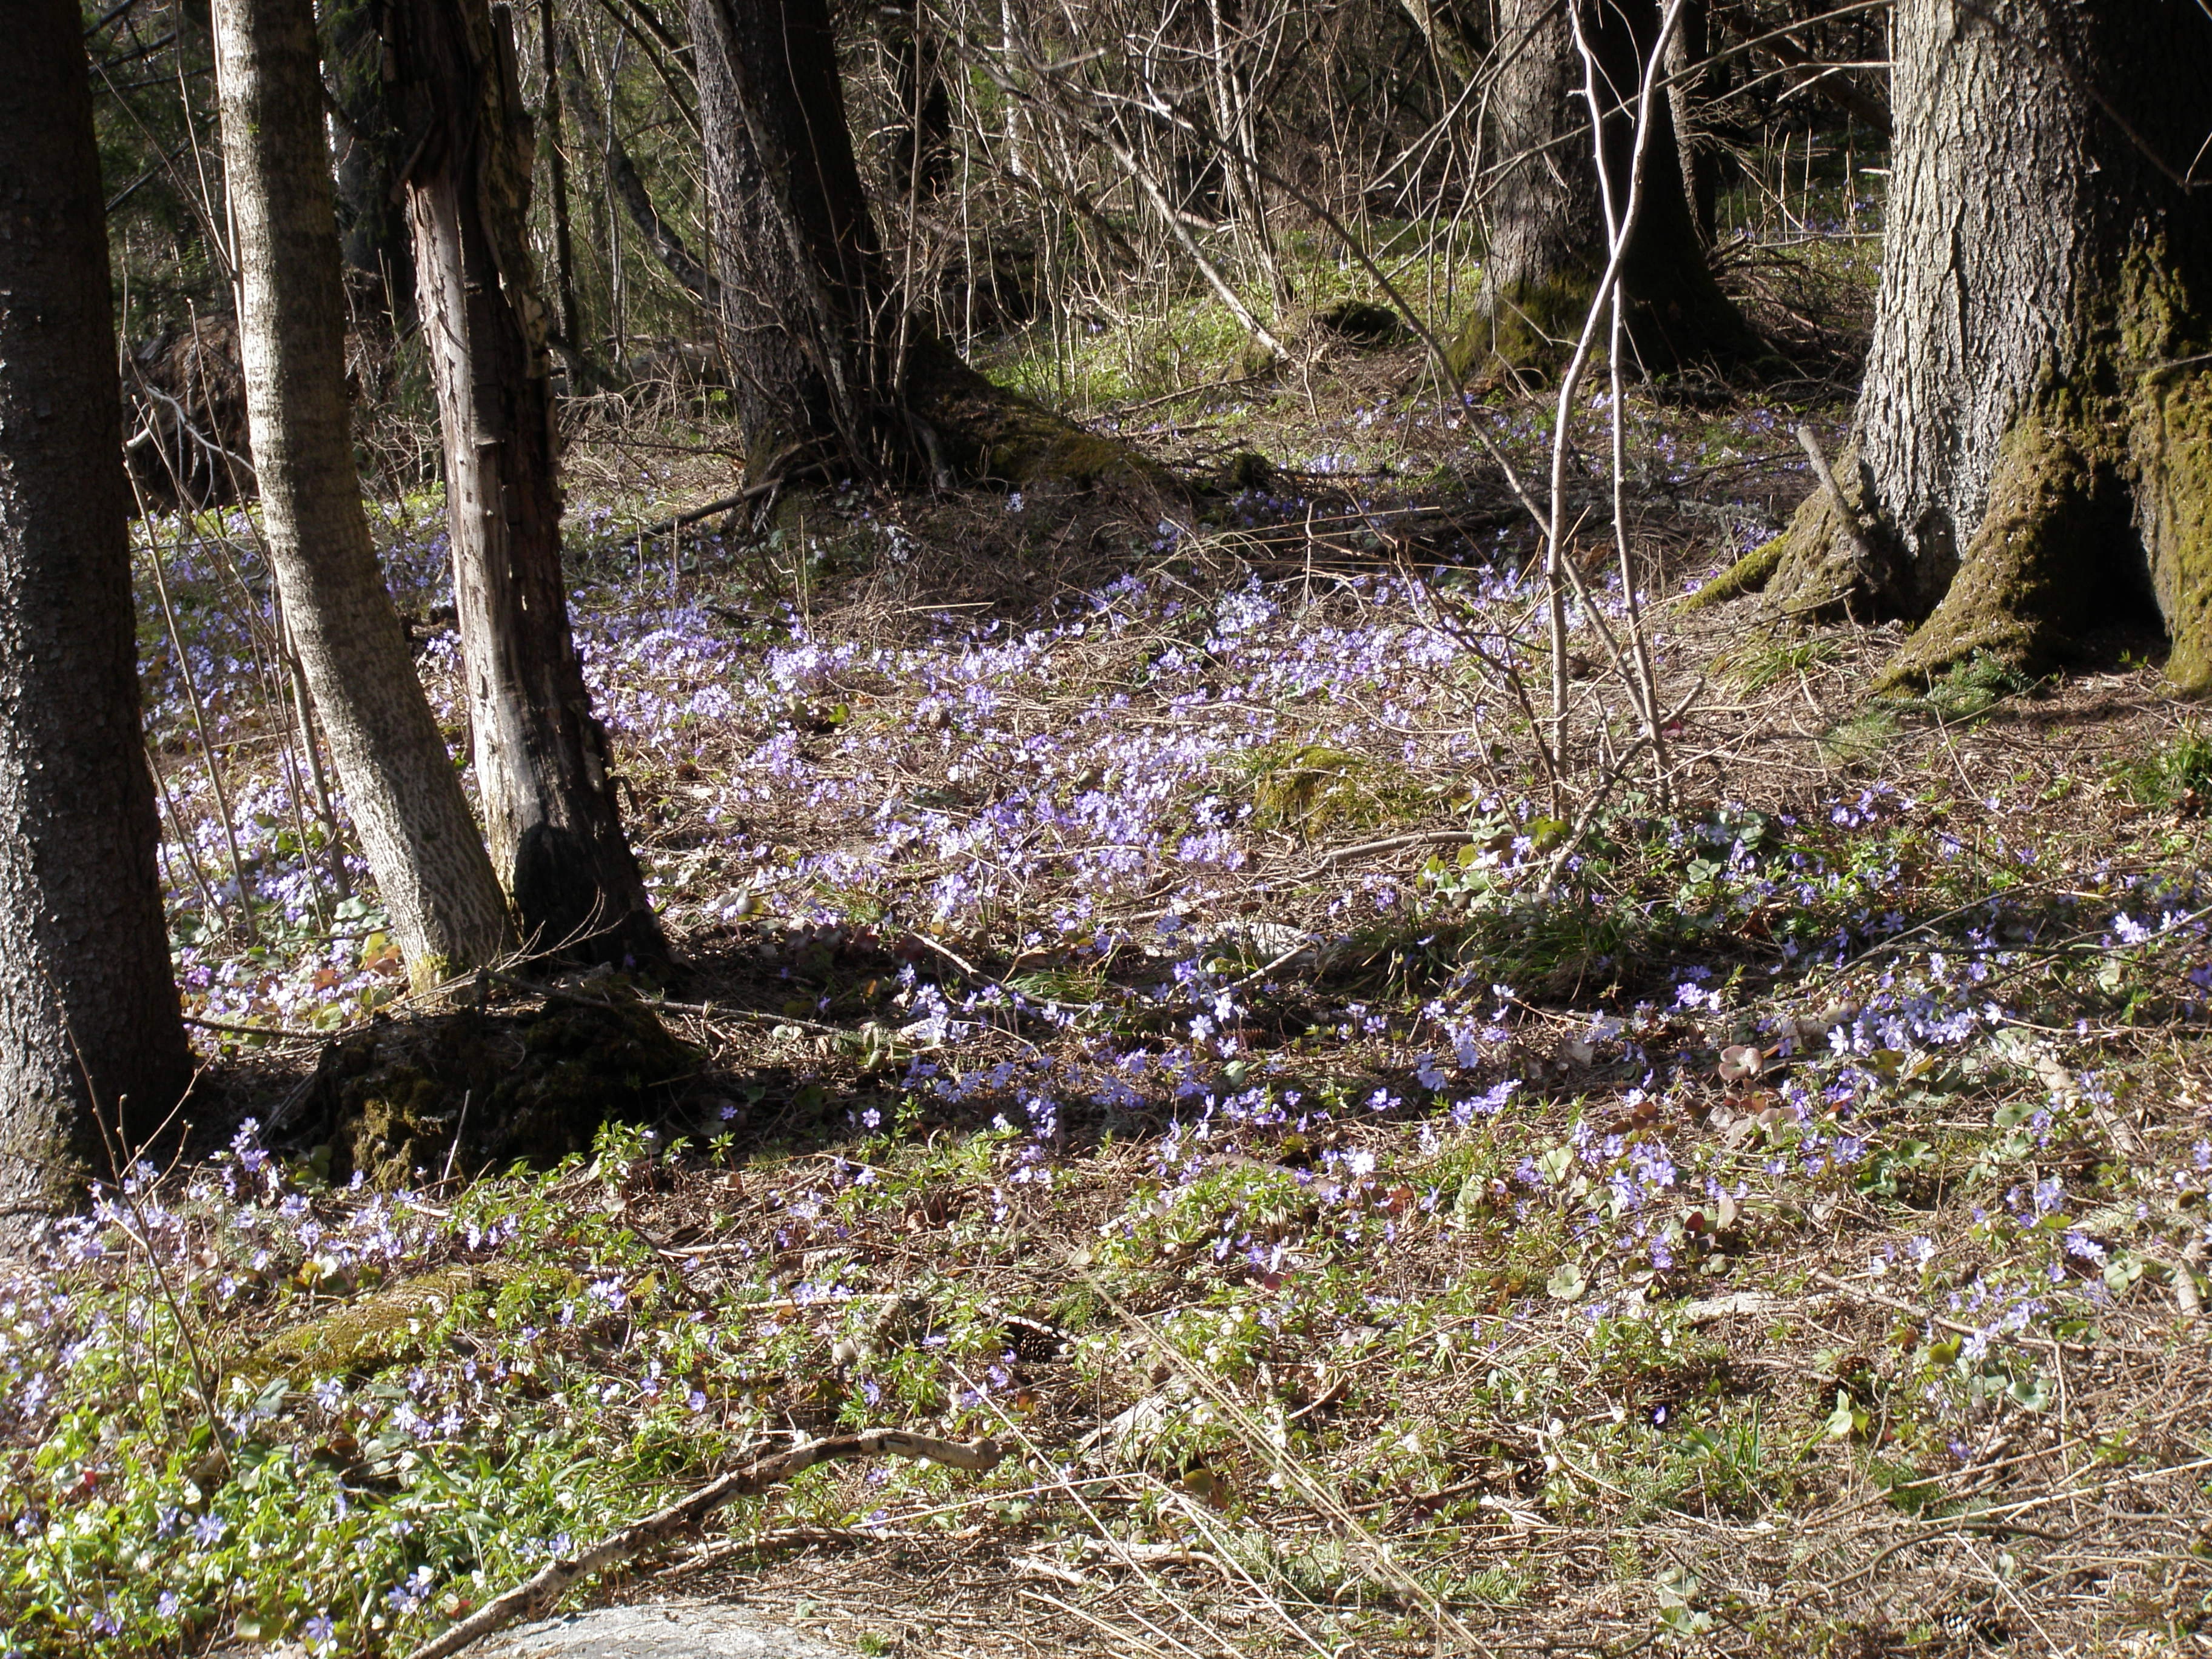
973,430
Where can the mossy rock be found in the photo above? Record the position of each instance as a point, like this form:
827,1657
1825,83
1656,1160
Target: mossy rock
390,1327
1361,323
1310,788
534,1087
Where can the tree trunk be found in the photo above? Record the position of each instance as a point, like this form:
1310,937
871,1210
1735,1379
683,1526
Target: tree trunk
372,224
88,1019
833,374
1547,240
816,369
425,849
2031,453
1691,81
543,768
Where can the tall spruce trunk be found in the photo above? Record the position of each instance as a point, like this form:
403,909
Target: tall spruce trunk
2031,453
544,771
88,1015
427,855
1548,239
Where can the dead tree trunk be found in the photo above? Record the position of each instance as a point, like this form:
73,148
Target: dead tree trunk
543,768
427,852
2031,454
1547,241
87,1002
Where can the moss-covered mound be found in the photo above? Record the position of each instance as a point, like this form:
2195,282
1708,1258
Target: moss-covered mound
393,1100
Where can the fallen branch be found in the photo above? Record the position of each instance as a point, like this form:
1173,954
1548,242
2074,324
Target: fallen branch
537,1597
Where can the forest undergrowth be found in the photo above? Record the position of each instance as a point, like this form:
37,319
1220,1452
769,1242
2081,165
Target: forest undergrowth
1146,1005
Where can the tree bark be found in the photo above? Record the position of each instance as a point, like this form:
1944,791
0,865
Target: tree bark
427,855
1547,241
372,224
2031,453
544,771
815,368
832,372
88,1015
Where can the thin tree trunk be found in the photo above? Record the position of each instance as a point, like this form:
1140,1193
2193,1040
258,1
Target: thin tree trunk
1548,239
556,180
543,768
89,1015
667,245
427,855
2031,453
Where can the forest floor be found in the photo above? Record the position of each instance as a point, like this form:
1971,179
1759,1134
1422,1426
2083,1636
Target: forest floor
1144,1004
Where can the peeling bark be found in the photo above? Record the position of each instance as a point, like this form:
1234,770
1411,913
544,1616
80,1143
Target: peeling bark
543,766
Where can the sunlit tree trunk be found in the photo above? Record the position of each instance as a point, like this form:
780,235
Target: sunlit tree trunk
2031,453
88,1015
405,797
543,768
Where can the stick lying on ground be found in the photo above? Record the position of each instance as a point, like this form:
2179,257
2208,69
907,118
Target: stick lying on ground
536,1596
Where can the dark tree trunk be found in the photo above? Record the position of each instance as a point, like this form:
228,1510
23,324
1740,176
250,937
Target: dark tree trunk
543,769
921,142
372,223
2031,453
427,854
816,368
1692,80
89,1017
833,374
1548,243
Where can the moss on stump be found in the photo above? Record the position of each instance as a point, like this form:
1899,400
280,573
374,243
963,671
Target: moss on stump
396,1098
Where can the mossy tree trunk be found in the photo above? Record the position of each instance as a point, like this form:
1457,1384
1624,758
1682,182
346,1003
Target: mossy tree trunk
2031,453
1547,237
835,374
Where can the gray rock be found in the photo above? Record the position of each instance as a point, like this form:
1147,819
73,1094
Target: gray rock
660,1630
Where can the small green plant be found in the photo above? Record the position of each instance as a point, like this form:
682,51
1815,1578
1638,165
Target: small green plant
2177,774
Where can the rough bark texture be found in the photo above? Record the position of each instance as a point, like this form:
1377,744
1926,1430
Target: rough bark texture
89,1017
372,223
427,852
1547,240
831,373
2029,454
542,761
801,268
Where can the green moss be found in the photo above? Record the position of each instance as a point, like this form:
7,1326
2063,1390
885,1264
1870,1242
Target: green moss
389,1327
1816,571
1308,789
2170,457
1748,575
1529,328
2043,543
